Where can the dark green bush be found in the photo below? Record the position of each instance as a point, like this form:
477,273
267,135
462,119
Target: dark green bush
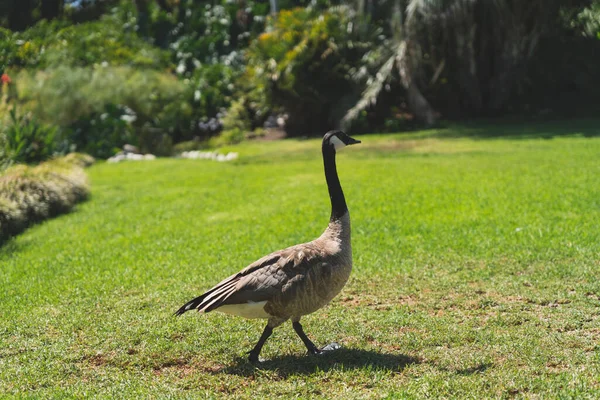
26,140
54,44
102,133
302,66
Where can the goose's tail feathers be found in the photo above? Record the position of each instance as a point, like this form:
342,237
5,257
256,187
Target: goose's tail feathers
190,305
211,299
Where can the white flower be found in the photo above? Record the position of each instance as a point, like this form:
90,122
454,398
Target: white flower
128,118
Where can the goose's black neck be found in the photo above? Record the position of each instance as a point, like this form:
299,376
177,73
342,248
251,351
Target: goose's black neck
338,201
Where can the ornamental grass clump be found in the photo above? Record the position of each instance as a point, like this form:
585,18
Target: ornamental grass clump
32,194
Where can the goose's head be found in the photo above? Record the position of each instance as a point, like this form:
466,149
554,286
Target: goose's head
338,140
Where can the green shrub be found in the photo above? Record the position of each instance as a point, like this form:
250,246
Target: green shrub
26,140
190,145
213,87
229,136
302,66
102,133
213,32
587,21
101,108
238,116
54,44
155,140
12,219
79,159
31,194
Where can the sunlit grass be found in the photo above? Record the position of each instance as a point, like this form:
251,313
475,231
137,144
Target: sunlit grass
476,265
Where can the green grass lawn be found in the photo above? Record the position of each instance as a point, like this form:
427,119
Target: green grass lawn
476,274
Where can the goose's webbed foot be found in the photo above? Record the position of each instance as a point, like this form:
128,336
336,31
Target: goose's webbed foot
310,346
331,347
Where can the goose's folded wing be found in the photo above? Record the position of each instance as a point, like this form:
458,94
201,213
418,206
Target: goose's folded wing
264,283
259,281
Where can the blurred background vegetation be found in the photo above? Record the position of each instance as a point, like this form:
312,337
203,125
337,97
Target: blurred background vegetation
168,75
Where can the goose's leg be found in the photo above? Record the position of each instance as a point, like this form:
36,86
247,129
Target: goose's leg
310,346
263,338
273,323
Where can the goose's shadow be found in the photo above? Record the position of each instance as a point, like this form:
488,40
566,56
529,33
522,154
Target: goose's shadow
343,359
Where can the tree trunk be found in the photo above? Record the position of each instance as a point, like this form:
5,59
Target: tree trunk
416,101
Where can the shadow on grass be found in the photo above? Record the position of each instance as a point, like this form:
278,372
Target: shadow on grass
8,244
522,129
474,370
342,359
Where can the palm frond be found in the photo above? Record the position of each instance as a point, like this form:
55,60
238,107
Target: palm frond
371,93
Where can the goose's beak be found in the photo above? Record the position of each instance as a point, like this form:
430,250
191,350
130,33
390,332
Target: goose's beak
353,141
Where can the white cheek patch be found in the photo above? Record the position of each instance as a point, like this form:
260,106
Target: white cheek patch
337,143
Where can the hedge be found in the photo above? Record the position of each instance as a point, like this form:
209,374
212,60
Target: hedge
29,194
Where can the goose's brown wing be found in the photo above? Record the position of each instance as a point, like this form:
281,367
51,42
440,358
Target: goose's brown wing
259,281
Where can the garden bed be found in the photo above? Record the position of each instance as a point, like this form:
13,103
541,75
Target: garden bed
32,194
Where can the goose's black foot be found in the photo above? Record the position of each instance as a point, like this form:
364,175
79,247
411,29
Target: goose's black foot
310,346
313,350
254,358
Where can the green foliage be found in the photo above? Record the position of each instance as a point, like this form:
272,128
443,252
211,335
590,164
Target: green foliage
210,32
102,133
228,136
80,159
104,41
213,87
238,122
302,64
587,21
32,194
56,44
102,108
154,140
26,140
154,73
238,116
189,145
475,273
563,77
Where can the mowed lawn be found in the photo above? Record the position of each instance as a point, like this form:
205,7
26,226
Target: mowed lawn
476,274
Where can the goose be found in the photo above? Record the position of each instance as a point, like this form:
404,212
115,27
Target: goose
296,281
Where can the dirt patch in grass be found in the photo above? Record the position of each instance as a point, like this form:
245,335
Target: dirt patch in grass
183,368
